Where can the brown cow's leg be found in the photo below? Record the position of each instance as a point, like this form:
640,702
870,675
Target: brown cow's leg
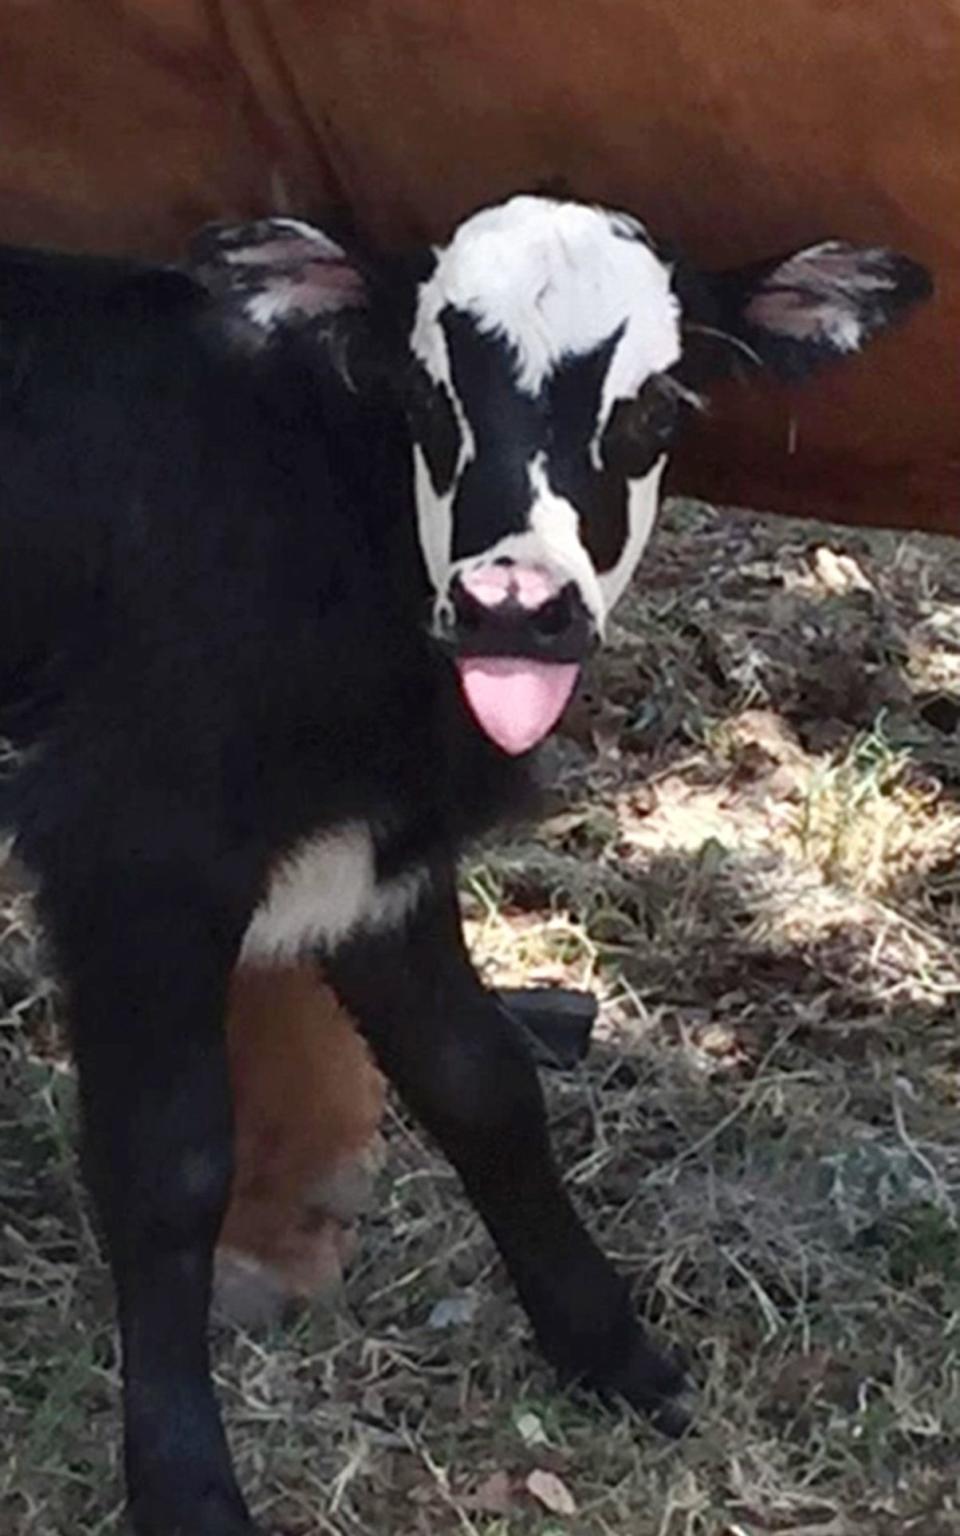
307,1102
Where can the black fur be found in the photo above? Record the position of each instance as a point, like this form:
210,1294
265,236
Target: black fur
600,496
494,495
434,426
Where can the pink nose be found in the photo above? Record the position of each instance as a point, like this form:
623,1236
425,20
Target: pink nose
529,585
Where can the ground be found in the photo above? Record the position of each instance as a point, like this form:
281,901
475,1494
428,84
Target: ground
751,854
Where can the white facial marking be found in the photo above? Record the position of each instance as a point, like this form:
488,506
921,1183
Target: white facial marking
555,279
323,893
434,520
643,504
555,526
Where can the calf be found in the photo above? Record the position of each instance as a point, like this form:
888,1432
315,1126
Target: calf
301,557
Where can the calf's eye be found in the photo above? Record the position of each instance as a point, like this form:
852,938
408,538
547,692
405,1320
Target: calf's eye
641,430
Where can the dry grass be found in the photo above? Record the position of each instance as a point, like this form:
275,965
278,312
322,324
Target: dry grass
751,854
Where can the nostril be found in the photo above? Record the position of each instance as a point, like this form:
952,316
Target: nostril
470,614
468,610
489,585
555,617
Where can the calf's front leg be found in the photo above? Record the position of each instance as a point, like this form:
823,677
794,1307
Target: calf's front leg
147,975
465,1072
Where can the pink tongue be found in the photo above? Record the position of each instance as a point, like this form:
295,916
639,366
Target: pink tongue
514,700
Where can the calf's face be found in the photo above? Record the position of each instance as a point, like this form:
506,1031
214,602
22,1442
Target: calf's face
541,406
547,374
539,319
547,386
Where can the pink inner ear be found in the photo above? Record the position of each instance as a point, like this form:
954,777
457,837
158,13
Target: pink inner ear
316,288
787,312
821,293
276,269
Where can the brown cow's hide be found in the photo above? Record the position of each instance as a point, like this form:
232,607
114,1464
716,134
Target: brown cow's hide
307,1107
735,129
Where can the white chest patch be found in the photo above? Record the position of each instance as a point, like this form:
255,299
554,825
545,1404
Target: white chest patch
325,892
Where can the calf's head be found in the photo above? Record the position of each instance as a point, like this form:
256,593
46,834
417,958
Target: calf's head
545,377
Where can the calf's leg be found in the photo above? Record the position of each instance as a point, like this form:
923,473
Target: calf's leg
147,974
307,1105
465,1072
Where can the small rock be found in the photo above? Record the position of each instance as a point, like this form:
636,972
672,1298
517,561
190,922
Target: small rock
453,1311
550,1491
530,1429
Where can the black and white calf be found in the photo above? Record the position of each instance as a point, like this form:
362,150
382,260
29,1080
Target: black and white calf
300,557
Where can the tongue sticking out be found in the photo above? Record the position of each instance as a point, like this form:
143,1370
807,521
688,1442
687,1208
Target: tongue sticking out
516,701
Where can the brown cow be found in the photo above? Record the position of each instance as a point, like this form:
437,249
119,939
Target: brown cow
734,128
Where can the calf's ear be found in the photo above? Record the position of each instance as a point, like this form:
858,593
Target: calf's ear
278,276
796,313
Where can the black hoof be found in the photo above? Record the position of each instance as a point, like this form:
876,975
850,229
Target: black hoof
651,1382
213,1515
674,1416
187,1525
